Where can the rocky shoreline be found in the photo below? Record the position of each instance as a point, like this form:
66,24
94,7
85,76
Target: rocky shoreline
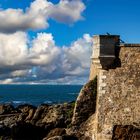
27,122
65,121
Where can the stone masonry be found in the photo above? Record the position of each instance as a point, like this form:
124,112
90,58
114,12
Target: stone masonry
118,74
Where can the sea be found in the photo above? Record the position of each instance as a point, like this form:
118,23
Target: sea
38,94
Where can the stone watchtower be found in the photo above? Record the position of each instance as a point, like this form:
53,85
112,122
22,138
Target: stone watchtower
104,52
117,67
117,102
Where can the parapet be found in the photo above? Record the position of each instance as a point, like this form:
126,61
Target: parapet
129,45
105,50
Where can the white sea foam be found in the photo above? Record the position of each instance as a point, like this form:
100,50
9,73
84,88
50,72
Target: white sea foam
73,93
18,102
48,102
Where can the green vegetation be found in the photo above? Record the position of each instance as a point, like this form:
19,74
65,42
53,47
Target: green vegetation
70,111
93,85
73,104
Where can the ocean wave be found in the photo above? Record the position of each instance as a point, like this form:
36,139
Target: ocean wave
48,102
73,93
19,102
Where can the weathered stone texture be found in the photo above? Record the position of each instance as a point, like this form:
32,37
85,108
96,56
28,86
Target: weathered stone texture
119,93
86,103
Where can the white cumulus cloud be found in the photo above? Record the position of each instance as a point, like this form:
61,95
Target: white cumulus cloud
44,47
43,61
67,11
13,48
37,15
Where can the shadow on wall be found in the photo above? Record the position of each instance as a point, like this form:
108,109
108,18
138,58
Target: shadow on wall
115,63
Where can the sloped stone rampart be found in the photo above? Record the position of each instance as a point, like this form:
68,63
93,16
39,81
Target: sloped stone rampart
86,103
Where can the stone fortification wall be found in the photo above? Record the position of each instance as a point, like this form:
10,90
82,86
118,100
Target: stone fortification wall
118,89
118,98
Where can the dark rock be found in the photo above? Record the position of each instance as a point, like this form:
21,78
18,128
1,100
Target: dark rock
54,138
25,108
40,113
7,109
35,123
1,109
68,137
59,115
27,112
56,132
54,115
4,131
5,138
127,132
8,121
75,131
85,138
27,131
64,137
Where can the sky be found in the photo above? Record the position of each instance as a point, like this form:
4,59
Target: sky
50,41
